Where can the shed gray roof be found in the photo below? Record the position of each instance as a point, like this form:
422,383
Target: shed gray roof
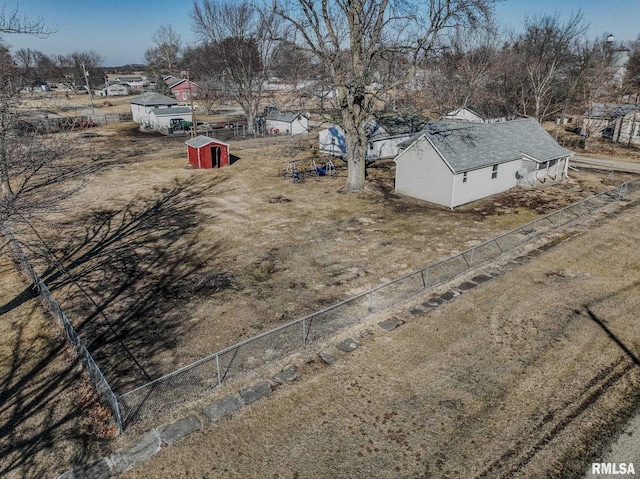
284,116
469,146
180,110
153,98
202,140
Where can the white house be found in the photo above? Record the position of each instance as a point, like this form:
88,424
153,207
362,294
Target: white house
115,89
464,114
453,163
477,115
163,118
142,105
384,135
290,123
137,83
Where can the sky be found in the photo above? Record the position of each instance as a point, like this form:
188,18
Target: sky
121,30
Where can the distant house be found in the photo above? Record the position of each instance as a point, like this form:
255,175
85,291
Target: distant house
288,123
135,83
476,115
384,135
614,122
332,141
626,129
464,114
181,88
142,105
161,119
453,163
115,89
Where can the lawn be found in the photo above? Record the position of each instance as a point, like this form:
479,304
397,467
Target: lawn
158,265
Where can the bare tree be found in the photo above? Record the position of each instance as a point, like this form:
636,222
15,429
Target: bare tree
593,81
13,23
631,86
352,39
241,41
28,159
164,58
70,69
461,74
25,58
546,50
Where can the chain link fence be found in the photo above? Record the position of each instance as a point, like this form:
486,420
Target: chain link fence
202,376
96,378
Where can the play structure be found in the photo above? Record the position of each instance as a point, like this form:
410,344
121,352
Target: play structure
298,169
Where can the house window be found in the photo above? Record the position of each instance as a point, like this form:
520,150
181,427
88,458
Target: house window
464,177
494,172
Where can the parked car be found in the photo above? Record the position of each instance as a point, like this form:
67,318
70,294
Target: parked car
182,126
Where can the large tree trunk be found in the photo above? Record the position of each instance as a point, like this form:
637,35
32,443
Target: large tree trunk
354,122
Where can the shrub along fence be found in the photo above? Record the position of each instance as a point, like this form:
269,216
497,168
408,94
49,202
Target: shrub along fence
202,376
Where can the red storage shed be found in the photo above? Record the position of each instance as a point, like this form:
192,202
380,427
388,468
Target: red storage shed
205,152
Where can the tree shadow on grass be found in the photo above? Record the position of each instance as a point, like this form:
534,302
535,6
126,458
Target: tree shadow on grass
43,423
122,276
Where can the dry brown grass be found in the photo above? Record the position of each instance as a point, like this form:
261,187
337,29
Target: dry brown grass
47,417
511,380
147,222
146,230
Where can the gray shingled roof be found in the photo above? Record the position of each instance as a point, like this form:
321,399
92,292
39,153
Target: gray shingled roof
284,116
180,110
153,98
201,140
469,146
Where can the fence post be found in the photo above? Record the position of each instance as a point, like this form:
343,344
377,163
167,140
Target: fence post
473,250
117,411
304,331
425,277
218,369
559,217
371,301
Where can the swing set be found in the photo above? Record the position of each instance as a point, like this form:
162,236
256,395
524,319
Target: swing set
297,169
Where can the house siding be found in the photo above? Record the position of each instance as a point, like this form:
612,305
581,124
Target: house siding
622,130
480,183
422,174
385,148
296,127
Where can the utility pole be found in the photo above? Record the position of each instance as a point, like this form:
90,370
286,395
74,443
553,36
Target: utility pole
86,80
193,112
